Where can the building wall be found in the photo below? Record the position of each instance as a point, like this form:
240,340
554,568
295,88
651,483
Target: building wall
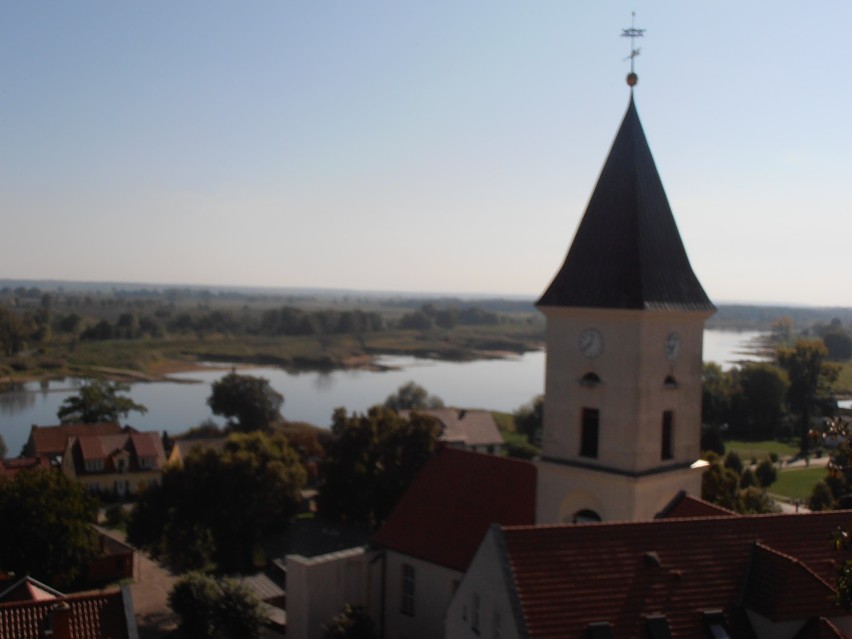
319,587
632,397
564,491
106,482
484,586
433,590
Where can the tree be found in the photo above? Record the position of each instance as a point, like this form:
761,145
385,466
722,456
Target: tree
757,406
12,332
98,401
412,396
717,390
352,622
811,378
839,345
249,402
766,473
46,530
370,461
215,510
209,608
529,419
3,449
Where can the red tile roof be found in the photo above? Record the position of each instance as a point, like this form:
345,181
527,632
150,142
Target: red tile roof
104,447
50,440
28,589
451,503
92,616
11,467
622,572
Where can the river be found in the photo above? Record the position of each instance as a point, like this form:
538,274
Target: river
500,384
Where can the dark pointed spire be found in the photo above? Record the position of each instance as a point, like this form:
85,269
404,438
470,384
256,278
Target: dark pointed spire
627,252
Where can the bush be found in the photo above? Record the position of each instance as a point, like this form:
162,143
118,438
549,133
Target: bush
208,608
821,498
116,516
352,622
748,479
734,463
521,450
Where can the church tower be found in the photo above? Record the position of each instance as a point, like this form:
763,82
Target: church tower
625,322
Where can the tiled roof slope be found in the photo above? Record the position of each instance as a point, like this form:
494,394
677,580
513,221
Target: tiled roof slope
451,503
11,467
466,427
569,576
50,440
627,253
28,589
92,616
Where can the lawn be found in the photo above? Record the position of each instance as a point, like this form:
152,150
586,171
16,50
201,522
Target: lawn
797,483
760,450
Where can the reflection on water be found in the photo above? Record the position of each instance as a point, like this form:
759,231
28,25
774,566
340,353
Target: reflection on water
502,384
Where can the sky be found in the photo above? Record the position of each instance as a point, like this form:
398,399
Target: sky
422,146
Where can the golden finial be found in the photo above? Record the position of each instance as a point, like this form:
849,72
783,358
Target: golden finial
632,33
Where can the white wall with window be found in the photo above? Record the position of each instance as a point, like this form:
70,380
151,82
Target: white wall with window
481,608
417,594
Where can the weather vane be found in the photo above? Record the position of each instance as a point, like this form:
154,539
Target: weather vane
632,33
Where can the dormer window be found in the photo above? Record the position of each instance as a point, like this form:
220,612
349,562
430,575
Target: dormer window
590,380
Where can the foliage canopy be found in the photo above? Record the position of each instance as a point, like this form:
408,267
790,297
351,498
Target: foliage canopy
98,401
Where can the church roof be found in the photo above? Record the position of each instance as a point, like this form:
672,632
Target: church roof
627,253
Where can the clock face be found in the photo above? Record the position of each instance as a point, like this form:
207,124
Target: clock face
591,342
672,346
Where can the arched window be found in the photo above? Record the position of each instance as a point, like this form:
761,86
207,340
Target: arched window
585,516
590,379
670,382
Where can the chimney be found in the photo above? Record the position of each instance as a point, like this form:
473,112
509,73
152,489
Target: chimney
60,622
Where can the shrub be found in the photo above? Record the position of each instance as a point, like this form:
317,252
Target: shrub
733,462
821,498
766,473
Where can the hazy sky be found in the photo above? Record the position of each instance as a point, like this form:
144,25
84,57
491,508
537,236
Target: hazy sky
434,146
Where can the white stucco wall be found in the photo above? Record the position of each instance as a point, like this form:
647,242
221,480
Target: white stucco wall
319,587
434,587
484,581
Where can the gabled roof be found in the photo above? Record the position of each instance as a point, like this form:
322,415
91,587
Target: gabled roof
50,440
465,427
684,505
106,615
622,573
183,447
627,253
28,589
107,447
782,588
451,503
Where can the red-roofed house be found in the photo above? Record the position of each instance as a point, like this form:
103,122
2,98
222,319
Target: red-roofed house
50,441
11,467
762,576
115,463
420,554
32,610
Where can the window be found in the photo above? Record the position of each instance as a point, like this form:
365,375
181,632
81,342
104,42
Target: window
666,450
408,590
589,435
474,615
590,379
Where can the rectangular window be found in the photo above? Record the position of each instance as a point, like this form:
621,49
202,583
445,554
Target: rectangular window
589,434
666,450
407,590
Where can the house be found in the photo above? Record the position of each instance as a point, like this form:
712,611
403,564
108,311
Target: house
116,464
49,441
32,610
182,448
473,430
760,576
11,467
414,563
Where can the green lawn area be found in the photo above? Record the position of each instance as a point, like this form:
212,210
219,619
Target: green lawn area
797,483
760,450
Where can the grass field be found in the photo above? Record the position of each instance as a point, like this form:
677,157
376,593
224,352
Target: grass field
760,450
844,380
797,483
